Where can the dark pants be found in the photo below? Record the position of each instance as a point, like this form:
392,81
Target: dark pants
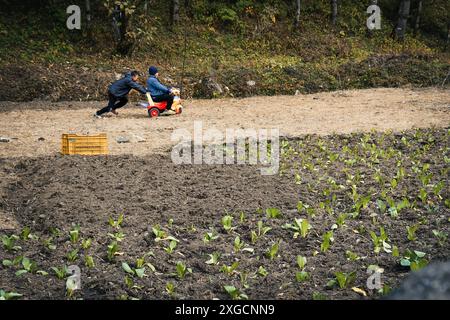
164,97
113,104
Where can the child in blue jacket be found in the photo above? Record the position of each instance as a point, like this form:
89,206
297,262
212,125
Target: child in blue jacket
158,91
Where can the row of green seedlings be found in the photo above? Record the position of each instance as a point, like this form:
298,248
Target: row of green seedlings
366,151
23,265
413,259
422,171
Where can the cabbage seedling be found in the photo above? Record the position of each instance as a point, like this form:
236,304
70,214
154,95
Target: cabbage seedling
26,234
86,243
412,232
380,242
273,213
118,236
423,195
262,230
48,244
242,216
61,273
244,280
139,272
28,266
273,250
113,249
210,236
300,226
319,296
9,243
437,188
239,245
227,223
301,275
116,224
213,258
344,280
441,236
351,255
229,270
327,239
340,221
235,294
262,271
72,255
182,270
89,261
414,260
161,235
170,288
74,235
9,295
171,247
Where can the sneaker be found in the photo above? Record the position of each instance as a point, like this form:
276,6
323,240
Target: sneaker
97,116
114,112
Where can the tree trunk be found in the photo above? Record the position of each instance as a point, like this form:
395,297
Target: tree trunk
448,35
125,44
297,14
175,11
334,11
88,19
403,14
146,7
419,12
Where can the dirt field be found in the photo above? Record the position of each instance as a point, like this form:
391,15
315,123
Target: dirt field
344,180
325,113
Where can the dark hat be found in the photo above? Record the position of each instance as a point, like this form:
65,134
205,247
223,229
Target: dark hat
152,70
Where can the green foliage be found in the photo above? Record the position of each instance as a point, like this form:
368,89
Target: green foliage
327,239
74,234
345,280
381,241
9,295
273,213
441,236
182,270
273,250
229,270
412,232
235,294
227,223
113,249
61,273
116,223
213,258
210,236
300,226
414,259
9,243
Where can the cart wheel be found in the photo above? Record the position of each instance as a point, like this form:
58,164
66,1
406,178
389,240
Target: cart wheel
153,112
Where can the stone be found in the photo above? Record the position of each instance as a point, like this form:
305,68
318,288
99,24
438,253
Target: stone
122,140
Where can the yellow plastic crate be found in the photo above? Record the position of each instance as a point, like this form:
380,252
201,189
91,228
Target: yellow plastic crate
85,145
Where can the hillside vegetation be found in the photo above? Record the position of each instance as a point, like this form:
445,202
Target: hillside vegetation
233,48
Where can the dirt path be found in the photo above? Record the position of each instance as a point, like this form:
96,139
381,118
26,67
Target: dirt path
340,112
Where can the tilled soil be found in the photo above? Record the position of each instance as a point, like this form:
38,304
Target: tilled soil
52,194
